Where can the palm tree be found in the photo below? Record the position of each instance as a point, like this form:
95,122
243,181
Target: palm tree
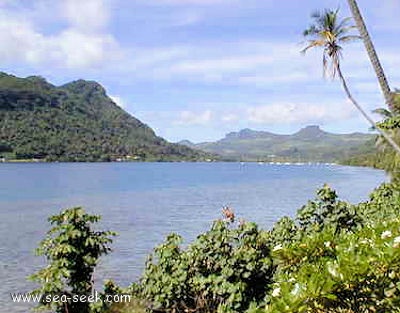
328,32
373,56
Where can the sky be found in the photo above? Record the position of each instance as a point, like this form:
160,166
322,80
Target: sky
198,69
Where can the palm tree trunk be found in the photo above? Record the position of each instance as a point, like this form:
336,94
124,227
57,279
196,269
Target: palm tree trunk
373,56
367,117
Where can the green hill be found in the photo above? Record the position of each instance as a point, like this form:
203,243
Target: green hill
75,122
309,144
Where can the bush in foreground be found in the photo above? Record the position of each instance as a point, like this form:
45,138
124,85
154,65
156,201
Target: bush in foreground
332,257
337,268
72,248
226,269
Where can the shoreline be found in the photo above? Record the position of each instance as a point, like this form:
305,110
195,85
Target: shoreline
24,161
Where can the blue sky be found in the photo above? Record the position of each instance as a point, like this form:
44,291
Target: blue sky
197,69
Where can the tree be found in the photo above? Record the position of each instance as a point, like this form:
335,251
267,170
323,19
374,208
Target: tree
72,248
373,56
329,33
388,158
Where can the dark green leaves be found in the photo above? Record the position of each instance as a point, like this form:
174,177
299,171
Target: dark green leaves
72,248
225,270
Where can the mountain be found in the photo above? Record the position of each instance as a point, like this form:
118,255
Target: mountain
75,122
187,143
308,144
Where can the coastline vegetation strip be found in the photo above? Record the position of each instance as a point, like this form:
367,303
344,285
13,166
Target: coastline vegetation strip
333,256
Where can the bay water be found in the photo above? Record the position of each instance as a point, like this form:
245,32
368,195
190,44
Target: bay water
144,202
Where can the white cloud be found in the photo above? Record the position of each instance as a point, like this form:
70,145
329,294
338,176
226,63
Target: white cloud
156,57
194,118
241,62
287,113
367,87
189,2
230,117
71,47
87,15
357,68
81,50
17,38
222,65
249,63
118,101
265,80
278,113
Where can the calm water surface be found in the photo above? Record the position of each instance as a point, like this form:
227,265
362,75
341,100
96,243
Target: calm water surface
144,202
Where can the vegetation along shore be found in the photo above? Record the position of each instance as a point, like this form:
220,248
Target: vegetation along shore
332,256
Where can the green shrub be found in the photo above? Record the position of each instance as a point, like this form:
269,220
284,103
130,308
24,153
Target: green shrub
326,211
332,257
354,272
227,269
337,268
72,248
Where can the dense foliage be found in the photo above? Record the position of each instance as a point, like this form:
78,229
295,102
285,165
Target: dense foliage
226,269
380,154
353,270
72,248
75,122
332,257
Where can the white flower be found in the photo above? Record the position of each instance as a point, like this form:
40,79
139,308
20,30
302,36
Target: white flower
296,289
366,241
277,248
332,271
276,292
396,242
327,244
386,234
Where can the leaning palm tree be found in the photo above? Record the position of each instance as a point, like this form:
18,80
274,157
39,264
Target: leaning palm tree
373,56
329,33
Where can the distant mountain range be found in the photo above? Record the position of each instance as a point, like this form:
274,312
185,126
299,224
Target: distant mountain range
79,122
308,144
75,122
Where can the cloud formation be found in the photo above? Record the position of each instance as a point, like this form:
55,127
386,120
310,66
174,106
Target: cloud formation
289,113
227,64
87,16
194,118
189,2
83,43
118,101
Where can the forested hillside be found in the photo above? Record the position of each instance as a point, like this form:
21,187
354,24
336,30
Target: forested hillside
75,122
308,144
